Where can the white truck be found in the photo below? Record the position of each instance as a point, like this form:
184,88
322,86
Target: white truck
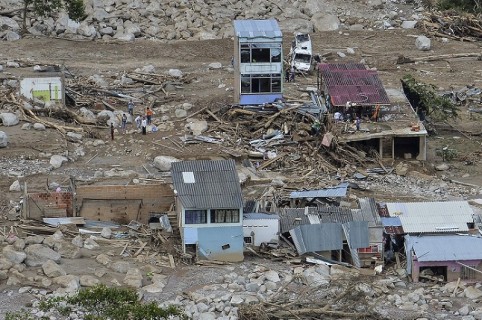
301,55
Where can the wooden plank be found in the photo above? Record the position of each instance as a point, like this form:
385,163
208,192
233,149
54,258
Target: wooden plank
171,261
143,244
267,163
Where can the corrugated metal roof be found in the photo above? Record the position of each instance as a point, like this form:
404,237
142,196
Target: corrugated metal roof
353,82
333,192
216,184
293,217
356,233
261,216
446,248
369,211
432,217
317,237
257,29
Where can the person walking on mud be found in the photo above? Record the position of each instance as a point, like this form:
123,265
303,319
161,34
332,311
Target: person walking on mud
130,107
144,125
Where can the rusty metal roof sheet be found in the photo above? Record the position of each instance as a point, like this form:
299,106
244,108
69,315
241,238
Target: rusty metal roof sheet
207,184
352,82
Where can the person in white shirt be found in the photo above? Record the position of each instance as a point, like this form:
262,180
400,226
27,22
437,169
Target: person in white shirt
144,125
338,116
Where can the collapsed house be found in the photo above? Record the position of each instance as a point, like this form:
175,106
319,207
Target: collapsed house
258,62
335,233
353,91
261,229
46,87
436,237
209,207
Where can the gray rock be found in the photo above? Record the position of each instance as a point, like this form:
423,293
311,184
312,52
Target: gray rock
3,139
78,241
87,30
13,256
341,54
236,300
472,293
325,22
408,24
120,266
57,160
1,68
465,310
69,282
124,36
26,126
164,163
208,316
215,65
38,254
106,233
52,269
99,81
442,167
74,137
19,244
296,25
423,43
252,287
3,275
272,276
15,186
12,64
180,113
197,127
156,287
314,6
90,244
34,239
106,31
5,264
39,126
104,259
12,36
133,278
9,119
8,23
88,281
176,73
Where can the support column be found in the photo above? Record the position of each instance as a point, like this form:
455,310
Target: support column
380,147
422,148
393,147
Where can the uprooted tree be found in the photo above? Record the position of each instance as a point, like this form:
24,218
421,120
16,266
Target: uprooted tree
43,8
426,101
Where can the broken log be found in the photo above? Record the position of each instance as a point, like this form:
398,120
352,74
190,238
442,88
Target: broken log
402,59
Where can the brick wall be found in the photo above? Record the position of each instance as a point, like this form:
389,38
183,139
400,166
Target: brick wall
49,204
122,204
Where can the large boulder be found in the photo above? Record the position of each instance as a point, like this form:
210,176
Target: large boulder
133,278
57,160
325,22
296,25
472,293
38,254
314,6
3,139
71,283
9,119
8,23
197,127
164,163
12,255
52,269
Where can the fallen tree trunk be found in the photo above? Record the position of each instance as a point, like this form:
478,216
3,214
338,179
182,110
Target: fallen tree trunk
402,59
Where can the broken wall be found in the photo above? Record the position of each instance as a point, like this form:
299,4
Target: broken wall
48,204
122,204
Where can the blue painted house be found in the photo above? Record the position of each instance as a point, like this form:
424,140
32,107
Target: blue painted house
209,205
258,62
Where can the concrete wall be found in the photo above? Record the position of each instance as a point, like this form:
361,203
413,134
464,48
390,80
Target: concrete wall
122,204
49,204
261,230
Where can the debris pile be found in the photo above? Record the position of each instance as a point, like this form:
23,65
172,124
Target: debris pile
453,25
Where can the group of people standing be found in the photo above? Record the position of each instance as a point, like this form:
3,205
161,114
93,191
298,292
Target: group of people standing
142,121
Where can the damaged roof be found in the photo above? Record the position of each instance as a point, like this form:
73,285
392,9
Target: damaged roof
432,217
249,29
332,192
446,247
206,184
353,82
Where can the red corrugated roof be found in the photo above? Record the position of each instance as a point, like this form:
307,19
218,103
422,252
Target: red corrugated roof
353,82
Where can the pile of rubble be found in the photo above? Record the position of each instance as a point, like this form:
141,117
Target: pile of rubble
61,263
168,20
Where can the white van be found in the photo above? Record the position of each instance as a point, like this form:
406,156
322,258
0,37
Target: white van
301,55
